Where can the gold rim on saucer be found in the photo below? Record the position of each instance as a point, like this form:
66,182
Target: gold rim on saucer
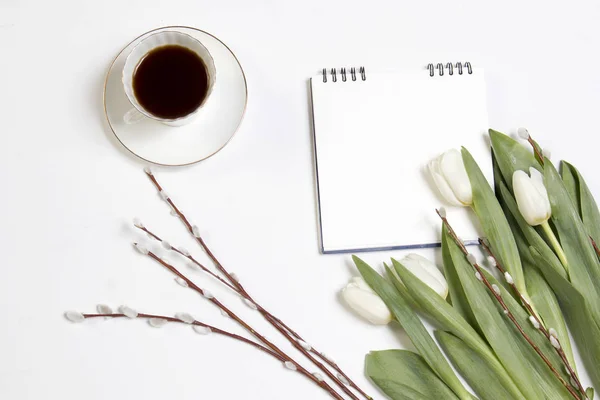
110,68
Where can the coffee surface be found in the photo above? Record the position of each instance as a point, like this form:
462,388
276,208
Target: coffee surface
170,82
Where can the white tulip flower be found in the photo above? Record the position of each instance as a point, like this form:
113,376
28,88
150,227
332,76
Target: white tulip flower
451,178
427,272
531,196
534,206
365,302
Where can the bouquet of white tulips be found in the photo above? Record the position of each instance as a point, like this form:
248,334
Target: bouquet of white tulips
502,323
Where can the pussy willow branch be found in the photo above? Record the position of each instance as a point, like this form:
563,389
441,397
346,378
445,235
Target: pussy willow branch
191,258
596,249
197,323
536,149
324,385
292,336
289,334
507,311
533,314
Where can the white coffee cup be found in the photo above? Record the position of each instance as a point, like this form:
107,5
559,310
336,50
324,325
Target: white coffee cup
164,38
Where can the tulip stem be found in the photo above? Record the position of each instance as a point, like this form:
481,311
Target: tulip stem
555,244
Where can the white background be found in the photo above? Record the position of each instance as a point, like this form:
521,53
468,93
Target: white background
69,192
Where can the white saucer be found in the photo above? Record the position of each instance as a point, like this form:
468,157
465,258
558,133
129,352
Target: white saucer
212,129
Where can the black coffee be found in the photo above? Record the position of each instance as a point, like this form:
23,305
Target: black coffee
170,82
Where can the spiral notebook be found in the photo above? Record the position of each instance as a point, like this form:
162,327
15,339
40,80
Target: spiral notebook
374,134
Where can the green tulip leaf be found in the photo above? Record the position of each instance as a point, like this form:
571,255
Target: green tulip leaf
537,337
577,311
548,308
413,326
584,267
511,156
568,177
517,356
585,202
493,222
392,277
475,369
402,374
456,294
449,319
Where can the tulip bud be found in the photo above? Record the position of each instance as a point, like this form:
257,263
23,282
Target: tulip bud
427,272
451,178
365,302
532,197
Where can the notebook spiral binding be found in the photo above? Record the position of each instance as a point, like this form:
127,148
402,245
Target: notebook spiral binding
450,67
343,73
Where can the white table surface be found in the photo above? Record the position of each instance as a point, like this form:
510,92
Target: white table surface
69,191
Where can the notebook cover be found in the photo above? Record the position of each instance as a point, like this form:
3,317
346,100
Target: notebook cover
373,139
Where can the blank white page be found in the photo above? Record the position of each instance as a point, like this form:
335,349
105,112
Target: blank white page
373,140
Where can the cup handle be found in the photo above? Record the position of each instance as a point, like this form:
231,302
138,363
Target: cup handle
132,116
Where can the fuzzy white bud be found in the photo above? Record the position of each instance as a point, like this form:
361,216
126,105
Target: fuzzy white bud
103,309
128,312
509,278
148,170
234,277
491,261
523,133
174,213
181,282
141,248
193,266
442,212
478,276
318,376
196,231
343,379
185,317
554,342
505,312
496,289
534,322
207,294
157,322
471,259
166,245
326,357
164,195
201,330
74,316
184,251
224,313
250,304
304,345
524,301
290,365
553,332
138,223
